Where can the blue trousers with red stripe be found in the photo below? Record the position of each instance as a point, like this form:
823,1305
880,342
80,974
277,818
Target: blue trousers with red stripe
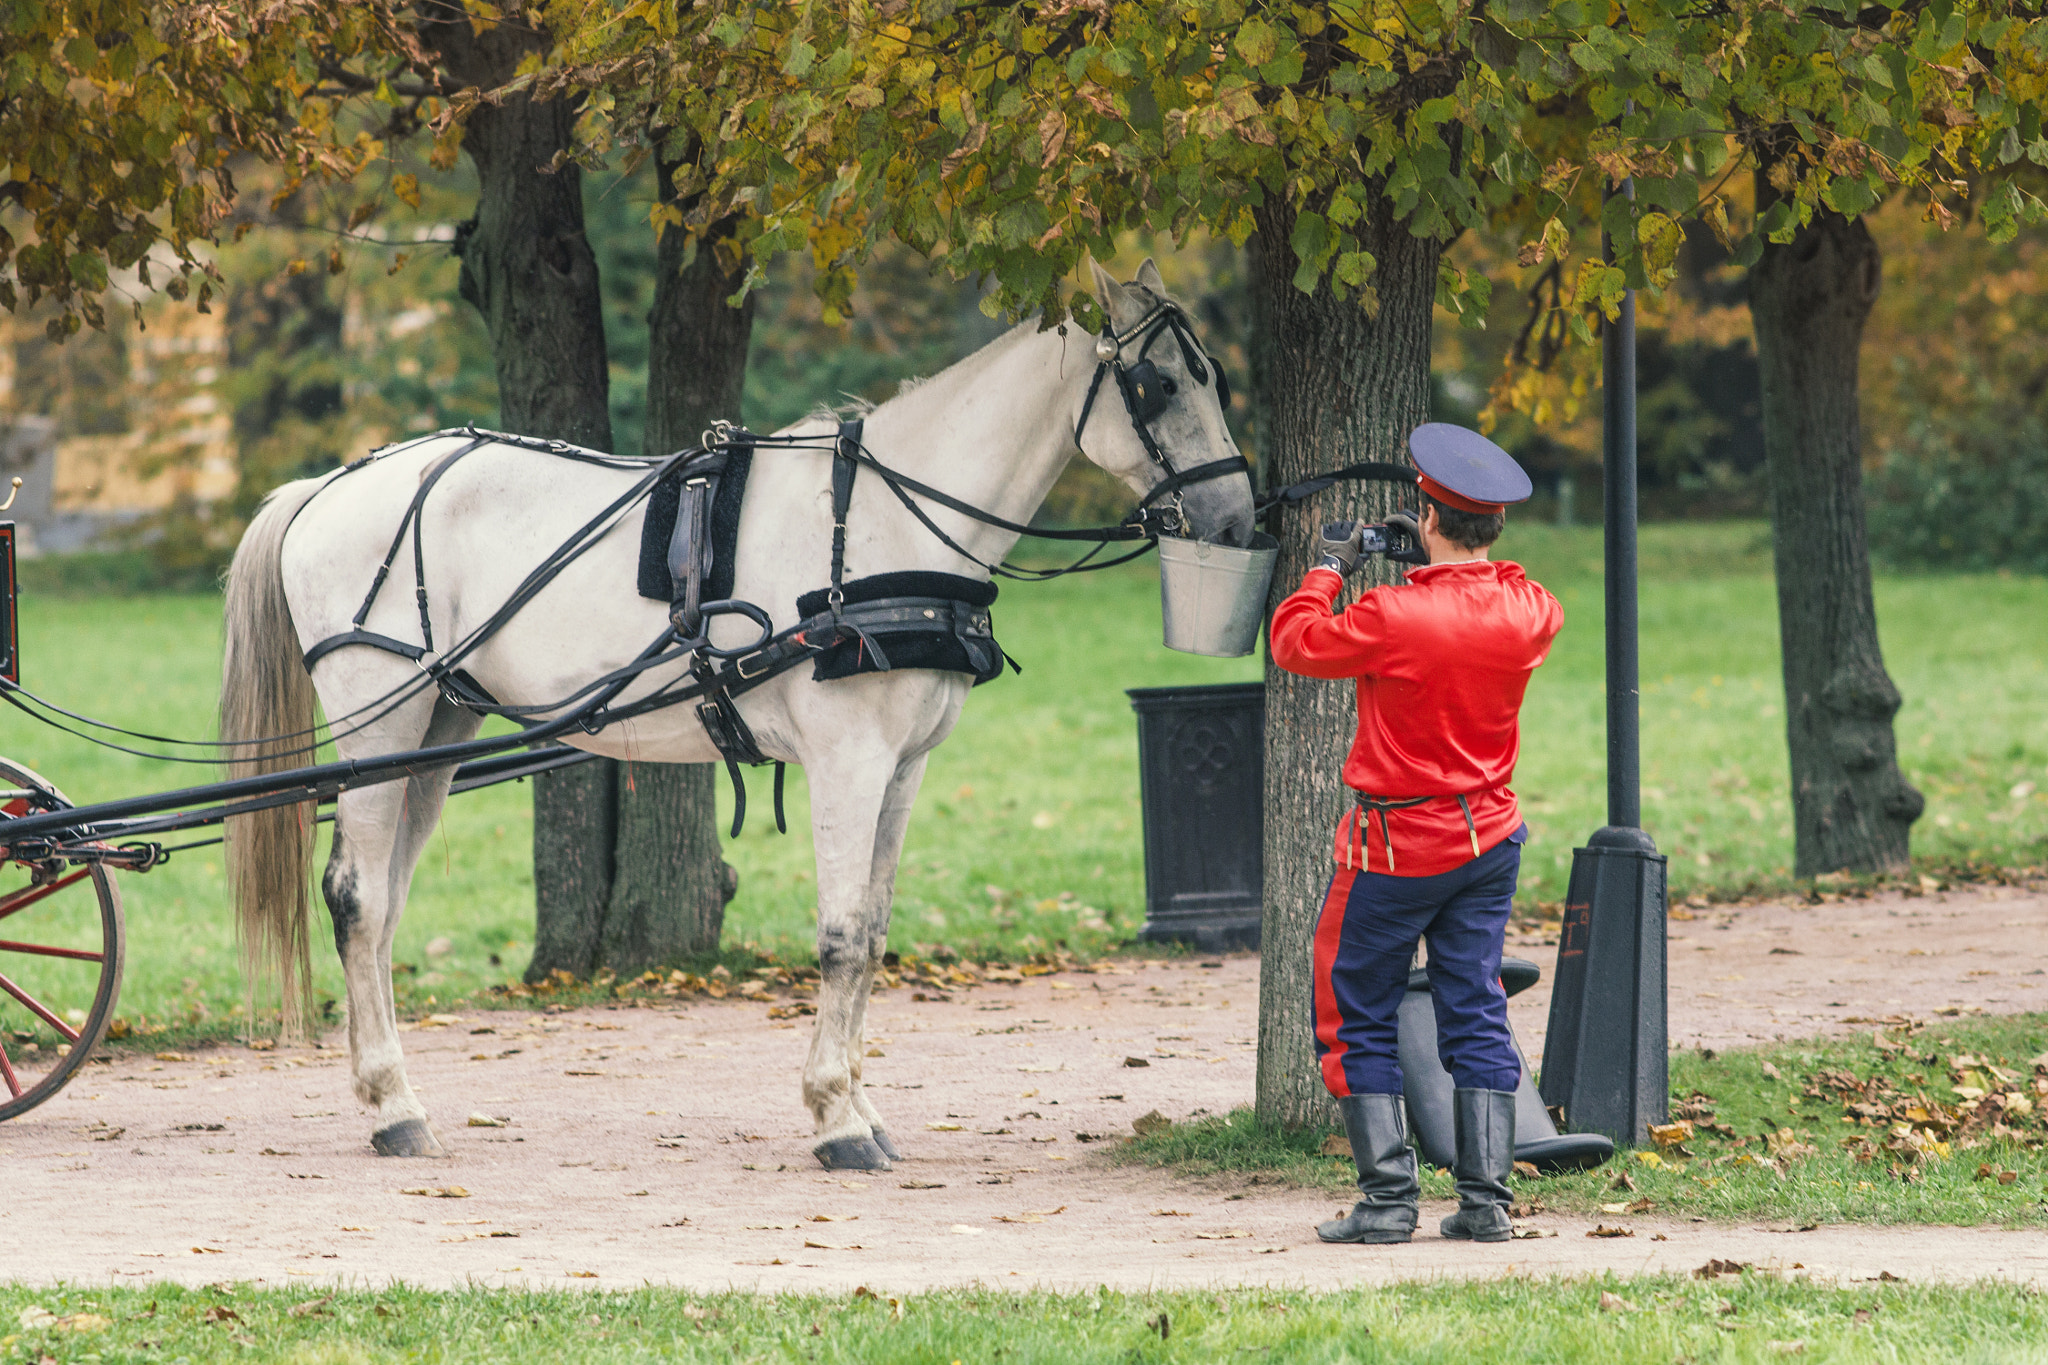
1365,940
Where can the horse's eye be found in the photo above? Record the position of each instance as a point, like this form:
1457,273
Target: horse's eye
1169,387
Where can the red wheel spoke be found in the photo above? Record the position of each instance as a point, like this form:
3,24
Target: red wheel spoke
29,895
37,1008
7,1071
44,950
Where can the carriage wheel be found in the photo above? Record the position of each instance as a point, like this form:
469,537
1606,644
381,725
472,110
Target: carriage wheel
61,938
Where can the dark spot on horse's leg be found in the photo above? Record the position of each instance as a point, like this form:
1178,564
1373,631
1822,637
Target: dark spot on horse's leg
888,1147
840,950
338,886
407,1137
851,1154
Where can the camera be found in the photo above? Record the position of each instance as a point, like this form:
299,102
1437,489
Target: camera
1396,538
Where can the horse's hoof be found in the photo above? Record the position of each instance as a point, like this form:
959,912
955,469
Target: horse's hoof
407,1137
851,1154
888,1147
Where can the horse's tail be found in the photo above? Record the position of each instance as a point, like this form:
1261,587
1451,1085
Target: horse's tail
266,694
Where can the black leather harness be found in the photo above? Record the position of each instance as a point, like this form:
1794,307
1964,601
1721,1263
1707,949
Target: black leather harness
938,607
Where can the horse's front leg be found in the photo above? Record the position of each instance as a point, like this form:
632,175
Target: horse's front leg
889,832
847,802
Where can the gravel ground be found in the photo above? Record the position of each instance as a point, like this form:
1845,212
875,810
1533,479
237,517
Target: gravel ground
669,1145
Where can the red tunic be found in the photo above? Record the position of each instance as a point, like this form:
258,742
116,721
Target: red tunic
1441,665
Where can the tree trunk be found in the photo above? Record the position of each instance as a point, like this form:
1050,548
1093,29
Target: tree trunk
1851,806
1333,385
529,270
672,884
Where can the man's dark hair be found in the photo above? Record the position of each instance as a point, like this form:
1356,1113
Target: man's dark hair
1472,530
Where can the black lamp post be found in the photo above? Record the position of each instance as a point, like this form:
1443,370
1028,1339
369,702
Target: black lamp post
1604,1058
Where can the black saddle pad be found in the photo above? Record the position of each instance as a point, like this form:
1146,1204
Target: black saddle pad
660,526
941,650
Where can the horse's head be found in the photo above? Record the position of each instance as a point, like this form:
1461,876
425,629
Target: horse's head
1155,411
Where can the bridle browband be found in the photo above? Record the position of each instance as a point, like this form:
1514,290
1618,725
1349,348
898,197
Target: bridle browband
1145,393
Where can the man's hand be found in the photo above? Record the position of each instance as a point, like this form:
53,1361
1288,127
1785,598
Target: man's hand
1405,522
1340,547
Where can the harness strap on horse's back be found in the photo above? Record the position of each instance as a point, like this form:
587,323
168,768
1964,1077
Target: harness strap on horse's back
412,521
845,464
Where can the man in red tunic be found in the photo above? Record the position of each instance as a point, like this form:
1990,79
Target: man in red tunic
1432,846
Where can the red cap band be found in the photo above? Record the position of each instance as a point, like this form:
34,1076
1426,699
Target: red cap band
1457,500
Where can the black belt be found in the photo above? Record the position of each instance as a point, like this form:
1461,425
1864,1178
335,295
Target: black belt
1368,803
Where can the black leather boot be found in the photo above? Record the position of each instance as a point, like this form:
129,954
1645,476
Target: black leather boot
1378,1128
1486,1157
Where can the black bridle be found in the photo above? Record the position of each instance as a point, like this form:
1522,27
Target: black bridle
1146,394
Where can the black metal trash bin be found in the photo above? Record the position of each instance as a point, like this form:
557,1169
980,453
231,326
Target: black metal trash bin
1202,764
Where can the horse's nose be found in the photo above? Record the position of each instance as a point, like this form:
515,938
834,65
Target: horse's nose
1237,533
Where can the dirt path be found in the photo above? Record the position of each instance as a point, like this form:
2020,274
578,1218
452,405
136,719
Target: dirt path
669,1145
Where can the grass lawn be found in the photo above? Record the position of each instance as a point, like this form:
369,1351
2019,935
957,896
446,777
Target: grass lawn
1834,1130
1652,1319
1027,832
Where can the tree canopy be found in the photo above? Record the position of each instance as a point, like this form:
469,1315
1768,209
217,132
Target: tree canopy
123,118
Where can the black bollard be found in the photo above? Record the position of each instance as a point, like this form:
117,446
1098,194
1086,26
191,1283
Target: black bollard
1429,1088
1604,1062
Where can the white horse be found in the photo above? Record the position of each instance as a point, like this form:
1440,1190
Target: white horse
993,431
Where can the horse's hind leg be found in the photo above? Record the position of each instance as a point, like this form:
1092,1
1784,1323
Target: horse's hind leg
379,833
889,832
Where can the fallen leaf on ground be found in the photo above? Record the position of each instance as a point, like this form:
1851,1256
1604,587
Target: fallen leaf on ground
438,1191
1136,1061
1615,1303
771,1227
920,1185
835,1218
311,1307
1222,1236
172,1057
1603,1230
1170,1213
1526,1171
1336,1145
965,1231
831,1246
220,1313
581,1274
943,1127
1147,1124
35,1316
481,1120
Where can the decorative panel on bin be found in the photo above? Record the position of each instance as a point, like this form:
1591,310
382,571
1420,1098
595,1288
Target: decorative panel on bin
1201,762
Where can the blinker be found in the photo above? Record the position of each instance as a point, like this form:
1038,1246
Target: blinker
1145,390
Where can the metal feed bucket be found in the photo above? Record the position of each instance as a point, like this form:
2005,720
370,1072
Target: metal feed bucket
1213,597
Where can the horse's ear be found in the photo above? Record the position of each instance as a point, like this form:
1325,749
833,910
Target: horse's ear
1148,276
1108,292
1117,301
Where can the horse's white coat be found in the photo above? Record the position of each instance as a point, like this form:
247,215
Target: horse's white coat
994,430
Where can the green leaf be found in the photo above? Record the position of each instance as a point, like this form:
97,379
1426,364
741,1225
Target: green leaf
800,56
1258,42
90,270
1850,195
